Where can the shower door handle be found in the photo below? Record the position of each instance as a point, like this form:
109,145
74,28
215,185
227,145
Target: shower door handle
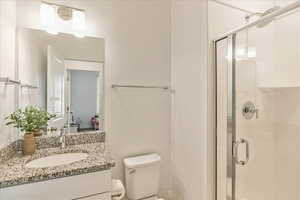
236,151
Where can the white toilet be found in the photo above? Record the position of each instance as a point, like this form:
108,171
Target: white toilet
117,190
142,176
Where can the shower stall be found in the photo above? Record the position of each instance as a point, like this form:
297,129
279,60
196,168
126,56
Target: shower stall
258,108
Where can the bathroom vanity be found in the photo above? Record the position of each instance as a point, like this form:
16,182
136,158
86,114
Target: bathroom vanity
68,82
88,178
90,186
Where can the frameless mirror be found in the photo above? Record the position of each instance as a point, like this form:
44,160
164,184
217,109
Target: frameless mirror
63,75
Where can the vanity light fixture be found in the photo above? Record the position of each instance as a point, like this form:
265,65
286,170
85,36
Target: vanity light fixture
47,14
69,18
78,23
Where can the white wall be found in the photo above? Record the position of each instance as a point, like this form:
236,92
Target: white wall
137,51
32,67
7,67
284,53
189,80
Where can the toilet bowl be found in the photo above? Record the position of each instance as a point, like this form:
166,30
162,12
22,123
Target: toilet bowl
153,198
117,190
142,176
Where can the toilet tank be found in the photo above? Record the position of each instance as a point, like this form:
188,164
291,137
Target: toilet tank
142,176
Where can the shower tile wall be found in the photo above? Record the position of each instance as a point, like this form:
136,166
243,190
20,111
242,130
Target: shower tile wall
273,170
271,80
256,180
278,64
287,143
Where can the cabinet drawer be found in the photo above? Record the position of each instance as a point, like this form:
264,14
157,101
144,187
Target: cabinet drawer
62,188
103,196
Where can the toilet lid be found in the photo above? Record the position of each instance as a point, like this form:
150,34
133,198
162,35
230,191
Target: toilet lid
140,161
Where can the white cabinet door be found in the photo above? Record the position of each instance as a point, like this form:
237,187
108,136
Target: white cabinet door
103,196
67,188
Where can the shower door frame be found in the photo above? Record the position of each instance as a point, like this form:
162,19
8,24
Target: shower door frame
231,116
231,120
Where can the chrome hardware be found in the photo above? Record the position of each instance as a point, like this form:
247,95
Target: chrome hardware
29,86
139,86
52,129
249,110
9,81
131,171
62,138
236,151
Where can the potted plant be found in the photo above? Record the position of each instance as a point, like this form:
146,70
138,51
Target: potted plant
31,121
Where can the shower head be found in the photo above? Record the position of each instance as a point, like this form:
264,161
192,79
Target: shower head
267,12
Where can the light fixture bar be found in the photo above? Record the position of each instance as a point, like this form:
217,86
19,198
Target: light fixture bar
9,81
139,86
55,4
28,86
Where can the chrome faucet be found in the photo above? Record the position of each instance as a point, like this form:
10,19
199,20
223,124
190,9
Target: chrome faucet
62,138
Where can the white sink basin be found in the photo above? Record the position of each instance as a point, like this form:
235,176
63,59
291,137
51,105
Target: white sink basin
56,160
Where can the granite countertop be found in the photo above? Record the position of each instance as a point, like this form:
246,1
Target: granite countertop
14,172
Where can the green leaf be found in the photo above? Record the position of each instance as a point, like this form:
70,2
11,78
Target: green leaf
30,119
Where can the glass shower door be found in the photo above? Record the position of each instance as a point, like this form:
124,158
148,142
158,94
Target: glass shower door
267,110
258,111
254,143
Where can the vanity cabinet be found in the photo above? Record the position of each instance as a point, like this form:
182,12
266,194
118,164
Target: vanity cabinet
103,196
90,186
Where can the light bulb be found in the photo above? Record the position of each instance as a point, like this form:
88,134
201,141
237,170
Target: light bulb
251,52
47,14
78,23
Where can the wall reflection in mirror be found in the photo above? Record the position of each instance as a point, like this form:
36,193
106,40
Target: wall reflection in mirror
68,73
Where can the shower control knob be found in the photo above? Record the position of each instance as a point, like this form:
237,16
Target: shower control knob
256,113
246,110
249,110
